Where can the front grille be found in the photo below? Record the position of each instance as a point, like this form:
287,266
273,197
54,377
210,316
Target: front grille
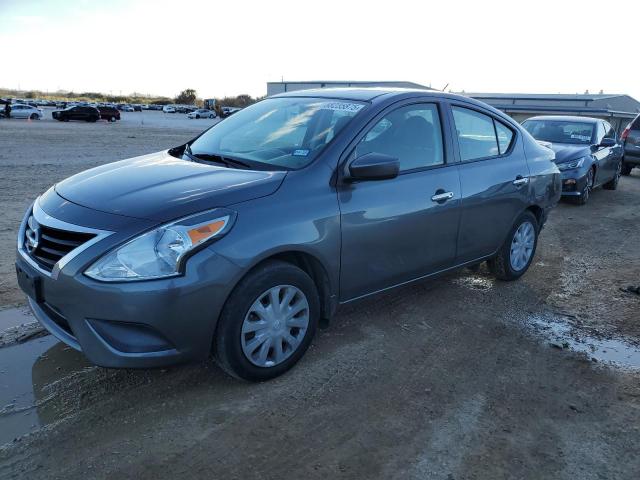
47,245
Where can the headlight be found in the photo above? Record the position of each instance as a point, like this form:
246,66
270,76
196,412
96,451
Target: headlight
572,164
161,252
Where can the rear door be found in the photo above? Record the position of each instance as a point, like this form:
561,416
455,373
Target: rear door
399,229
494,179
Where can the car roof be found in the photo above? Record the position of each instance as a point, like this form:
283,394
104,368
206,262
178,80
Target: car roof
566,118
364,93
370,94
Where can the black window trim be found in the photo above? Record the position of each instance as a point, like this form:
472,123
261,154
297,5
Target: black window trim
437,102
477,109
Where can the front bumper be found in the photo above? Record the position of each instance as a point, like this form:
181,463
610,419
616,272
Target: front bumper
131,324
573,182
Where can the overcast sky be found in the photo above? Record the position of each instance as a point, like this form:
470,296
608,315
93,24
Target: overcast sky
232,47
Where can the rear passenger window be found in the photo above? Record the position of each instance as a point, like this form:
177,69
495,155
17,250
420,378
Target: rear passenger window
412,134
505,136
476,135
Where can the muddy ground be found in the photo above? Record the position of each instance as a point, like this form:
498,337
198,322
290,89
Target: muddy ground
456,378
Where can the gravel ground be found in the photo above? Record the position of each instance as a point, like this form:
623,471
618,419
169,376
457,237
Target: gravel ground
454,378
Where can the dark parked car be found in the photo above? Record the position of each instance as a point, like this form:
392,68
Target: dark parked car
238,242
109,113
631,145
78,112
587,152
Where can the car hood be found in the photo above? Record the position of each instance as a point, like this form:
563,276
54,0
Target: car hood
162,187
566,152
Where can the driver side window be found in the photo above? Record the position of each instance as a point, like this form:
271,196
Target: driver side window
412,134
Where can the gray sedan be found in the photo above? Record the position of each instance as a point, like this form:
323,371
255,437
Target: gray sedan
237,243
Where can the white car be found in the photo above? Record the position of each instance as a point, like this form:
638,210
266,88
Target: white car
169,109
202,113
127,108
19,110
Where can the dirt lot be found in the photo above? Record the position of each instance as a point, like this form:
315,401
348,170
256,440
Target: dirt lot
456,378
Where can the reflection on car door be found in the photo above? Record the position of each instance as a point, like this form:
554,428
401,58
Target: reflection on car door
392,230
494,180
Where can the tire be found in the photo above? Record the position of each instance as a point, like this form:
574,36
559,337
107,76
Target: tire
211,115
112,119
34,116
230,343
626,169
586,191
613,183
197,117
501,265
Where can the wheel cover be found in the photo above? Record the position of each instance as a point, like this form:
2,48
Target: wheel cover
522,246
588,186
275,325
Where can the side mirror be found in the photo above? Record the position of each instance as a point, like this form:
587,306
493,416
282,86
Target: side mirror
374,166
607,142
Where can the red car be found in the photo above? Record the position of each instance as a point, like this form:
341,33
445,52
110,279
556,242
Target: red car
109,113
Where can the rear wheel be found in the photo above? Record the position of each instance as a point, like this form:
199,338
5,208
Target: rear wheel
613,183
267,323
516,254
197,116
112,119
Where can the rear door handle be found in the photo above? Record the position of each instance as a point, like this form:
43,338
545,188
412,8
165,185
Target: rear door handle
520,180
441,197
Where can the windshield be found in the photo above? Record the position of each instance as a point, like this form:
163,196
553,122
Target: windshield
282,132
559,131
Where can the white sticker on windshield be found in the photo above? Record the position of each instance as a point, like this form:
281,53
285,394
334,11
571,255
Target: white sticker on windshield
584,138
342,106
301,153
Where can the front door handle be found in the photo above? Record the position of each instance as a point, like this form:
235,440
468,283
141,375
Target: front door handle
520,180
441,196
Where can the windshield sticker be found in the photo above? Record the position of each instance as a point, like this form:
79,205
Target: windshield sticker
342,106
584,138
301,153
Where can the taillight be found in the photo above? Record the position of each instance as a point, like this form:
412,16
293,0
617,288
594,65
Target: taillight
625,132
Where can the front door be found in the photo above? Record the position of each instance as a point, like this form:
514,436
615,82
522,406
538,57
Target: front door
399,229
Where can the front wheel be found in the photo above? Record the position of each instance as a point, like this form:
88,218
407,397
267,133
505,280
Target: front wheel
626,169
586,190
516,254
34,116
267,323
211,115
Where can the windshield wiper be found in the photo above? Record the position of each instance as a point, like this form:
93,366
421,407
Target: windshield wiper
228,161
209,157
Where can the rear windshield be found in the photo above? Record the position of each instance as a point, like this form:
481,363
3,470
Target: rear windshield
560,131
282,132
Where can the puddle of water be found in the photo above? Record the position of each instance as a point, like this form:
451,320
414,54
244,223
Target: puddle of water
25,372
474,282
13,317
613,351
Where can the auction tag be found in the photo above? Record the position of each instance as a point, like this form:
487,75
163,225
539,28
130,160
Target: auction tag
342,106
301,153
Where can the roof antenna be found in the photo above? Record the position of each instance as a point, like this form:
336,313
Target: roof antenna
445,87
